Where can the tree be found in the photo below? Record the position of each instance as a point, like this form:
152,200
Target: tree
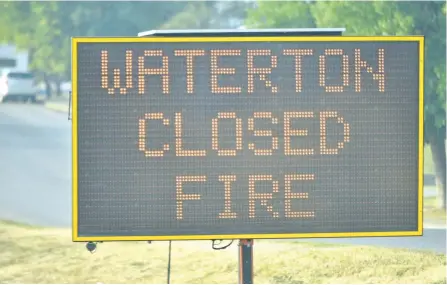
35,27
406,18
382,18
197,15
45,28
210,15
281,15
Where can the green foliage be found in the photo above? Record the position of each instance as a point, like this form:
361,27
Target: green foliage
46,28
197,15
363,18
210,15
281,15
376,18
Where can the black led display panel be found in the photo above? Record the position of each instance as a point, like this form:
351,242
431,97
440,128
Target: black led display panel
213,138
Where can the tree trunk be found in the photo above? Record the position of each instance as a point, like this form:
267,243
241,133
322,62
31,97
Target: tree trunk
58,87
47,86
438,150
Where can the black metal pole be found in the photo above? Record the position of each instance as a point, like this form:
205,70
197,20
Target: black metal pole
246,261
69,105
169,264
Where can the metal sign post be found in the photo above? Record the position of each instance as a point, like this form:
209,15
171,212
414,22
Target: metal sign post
246,261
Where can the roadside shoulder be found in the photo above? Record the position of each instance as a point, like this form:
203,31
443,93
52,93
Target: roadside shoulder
57,106
434,226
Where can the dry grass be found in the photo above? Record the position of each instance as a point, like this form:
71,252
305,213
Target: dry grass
39,255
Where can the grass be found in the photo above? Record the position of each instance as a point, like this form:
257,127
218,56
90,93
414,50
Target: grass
38,255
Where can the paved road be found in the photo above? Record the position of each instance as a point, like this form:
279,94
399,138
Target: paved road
35,169
35,175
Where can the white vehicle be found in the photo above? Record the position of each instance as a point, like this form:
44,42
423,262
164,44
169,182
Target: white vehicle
18,85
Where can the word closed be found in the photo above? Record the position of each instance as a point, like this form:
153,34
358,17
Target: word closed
288,133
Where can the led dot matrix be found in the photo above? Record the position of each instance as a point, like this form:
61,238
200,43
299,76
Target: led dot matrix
272,156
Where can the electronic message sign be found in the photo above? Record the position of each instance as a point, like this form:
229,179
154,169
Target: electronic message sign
262,137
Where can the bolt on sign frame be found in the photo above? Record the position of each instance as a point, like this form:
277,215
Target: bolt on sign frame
260,137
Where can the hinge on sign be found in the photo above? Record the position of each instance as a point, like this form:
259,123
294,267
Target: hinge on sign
69,105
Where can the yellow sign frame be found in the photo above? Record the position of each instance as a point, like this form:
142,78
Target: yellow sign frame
76,41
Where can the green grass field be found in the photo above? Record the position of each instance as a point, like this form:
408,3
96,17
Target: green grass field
38,255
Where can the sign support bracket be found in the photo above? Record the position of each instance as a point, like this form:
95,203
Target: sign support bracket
246,261
69,105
